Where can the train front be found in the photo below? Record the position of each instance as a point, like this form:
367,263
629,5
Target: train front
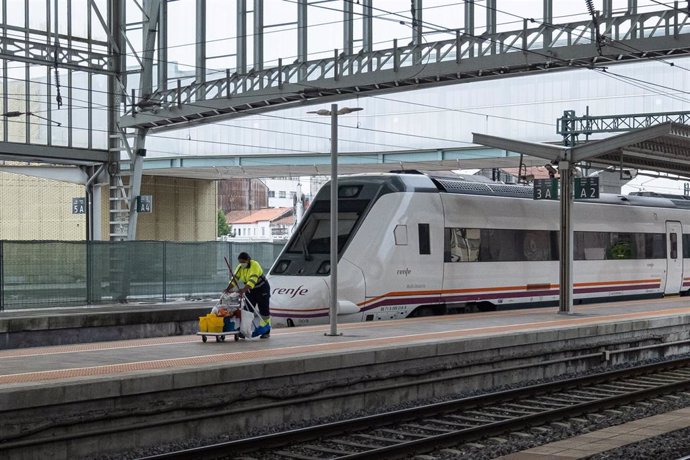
300,276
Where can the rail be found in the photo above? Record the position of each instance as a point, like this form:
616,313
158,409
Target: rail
431,427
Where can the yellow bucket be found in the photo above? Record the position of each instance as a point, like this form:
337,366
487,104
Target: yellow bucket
203,324
214,323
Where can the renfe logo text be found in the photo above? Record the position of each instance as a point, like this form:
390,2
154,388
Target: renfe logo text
292,292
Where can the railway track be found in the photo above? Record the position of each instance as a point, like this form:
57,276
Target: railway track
431,427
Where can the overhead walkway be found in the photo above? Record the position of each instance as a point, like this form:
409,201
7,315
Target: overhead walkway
535,48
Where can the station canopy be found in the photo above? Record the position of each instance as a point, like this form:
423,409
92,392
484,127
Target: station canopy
662,148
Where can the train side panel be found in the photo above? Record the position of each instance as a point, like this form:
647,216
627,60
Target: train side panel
400,248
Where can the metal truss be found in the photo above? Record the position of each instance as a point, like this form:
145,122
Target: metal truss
547,47
587,124
40,52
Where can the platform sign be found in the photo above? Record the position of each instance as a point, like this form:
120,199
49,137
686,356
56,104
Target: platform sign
546,189
145,203
586,188
78,205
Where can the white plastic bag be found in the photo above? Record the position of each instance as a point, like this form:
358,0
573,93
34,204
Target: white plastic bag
247,324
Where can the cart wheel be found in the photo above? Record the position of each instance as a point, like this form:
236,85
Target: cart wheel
203,338
237,338
217,338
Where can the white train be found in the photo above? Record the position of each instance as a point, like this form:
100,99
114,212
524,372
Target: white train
417,245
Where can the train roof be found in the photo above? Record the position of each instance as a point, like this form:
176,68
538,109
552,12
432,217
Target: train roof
449,182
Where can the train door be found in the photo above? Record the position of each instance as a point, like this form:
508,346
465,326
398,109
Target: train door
674,258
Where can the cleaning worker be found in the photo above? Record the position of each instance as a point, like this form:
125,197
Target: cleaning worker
256,288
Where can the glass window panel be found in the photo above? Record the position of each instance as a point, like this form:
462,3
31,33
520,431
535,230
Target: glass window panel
38,104
97,30
80,16
100,112
37,15
15,13
80,109
424,239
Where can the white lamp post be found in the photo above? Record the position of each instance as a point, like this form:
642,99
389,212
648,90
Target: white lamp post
333,113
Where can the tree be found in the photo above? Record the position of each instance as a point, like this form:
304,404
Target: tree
223,228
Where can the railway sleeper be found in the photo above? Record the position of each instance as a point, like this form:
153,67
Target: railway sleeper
327,450
428,428
377,438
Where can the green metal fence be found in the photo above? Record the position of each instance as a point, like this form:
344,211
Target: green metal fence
36,274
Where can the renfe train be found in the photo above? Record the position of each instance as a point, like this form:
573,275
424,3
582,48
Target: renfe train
418,245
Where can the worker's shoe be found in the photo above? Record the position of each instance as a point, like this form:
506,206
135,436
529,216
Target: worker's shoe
266,335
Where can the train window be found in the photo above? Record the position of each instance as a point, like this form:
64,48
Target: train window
619,246
424,239
462,245
324,268
281,266
499,245
655,245
674,245
686,246
400,234
313,235
349,191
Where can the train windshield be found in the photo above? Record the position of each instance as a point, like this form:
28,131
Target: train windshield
313,236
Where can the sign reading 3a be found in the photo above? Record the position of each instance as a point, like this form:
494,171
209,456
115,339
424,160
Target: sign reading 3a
546,189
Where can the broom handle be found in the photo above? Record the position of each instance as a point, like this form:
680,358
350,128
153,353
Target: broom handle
233,277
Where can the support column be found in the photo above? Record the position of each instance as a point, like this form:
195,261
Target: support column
548,19
258,34
241,51
303,30
608,8
367,31
469,23
152,8
200,44
348,28
163,46
632,9
491,22
417,28
334,222
566,239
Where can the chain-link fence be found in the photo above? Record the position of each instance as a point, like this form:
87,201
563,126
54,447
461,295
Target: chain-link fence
36,274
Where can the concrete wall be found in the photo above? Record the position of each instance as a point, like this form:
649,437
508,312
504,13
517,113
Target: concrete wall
183,210
39,209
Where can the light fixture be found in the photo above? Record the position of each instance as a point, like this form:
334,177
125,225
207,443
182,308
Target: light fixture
16,113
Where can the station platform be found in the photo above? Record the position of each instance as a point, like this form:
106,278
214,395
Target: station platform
59,326
159,379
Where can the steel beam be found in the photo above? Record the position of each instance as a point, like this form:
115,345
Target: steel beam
38,52
51,154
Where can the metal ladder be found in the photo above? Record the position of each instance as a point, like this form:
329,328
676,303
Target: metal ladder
119,191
